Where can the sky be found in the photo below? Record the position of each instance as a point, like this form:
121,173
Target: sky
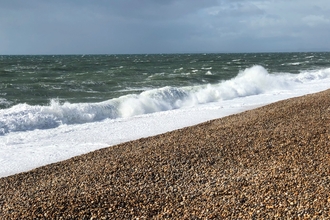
163,26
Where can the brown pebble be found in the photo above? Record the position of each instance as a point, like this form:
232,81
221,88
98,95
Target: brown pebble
271,162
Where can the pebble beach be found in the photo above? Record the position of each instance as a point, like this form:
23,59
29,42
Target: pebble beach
272,162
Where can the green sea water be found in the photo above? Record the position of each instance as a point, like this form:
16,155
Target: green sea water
36,80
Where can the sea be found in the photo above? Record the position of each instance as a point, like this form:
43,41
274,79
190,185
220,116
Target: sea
54,107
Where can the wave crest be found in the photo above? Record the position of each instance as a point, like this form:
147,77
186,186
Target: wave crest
252,81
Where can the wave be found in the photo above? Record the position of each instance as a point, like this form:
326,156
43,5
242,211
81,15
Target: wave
252,81
4,103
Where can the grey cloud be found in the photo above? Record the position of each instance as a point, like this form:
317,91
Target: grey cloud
156,26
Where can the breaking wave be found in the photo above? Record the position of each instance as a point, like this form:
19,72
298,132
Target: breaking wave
252,81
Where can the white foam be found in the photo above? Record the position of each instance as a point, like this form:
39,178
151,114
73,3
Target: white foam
252,81
4,102
150,113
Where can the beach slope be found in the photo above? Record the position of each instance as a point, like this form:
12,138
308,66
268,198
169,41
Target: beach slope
269,162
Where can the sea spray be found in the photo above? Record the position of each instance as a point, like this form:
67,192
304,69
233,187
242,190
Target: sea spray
251,81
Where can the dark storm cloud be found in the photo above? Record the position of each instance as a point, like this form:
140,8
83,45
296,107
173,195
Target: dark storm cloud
157,26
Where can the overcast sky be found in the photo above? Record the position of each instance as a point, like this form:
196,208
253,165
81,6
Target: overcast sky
163,26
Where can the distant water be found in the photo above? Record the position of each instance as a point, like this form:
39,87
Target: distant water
42,92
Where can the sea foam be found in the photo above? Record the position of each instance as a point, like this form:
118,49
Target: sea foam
252,81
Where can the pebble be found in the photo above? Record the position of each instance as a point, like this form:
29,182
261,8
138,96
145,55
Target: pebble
271,162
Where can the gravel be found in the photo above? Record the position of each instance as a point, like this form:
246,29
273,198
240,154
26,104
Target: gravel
267,163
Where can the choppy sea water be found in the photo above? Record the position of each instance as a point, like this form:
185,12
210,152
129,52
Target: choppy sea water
55,107
42,92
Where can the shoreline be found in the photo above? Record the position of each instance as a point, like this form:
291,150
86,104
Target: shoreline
268,162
